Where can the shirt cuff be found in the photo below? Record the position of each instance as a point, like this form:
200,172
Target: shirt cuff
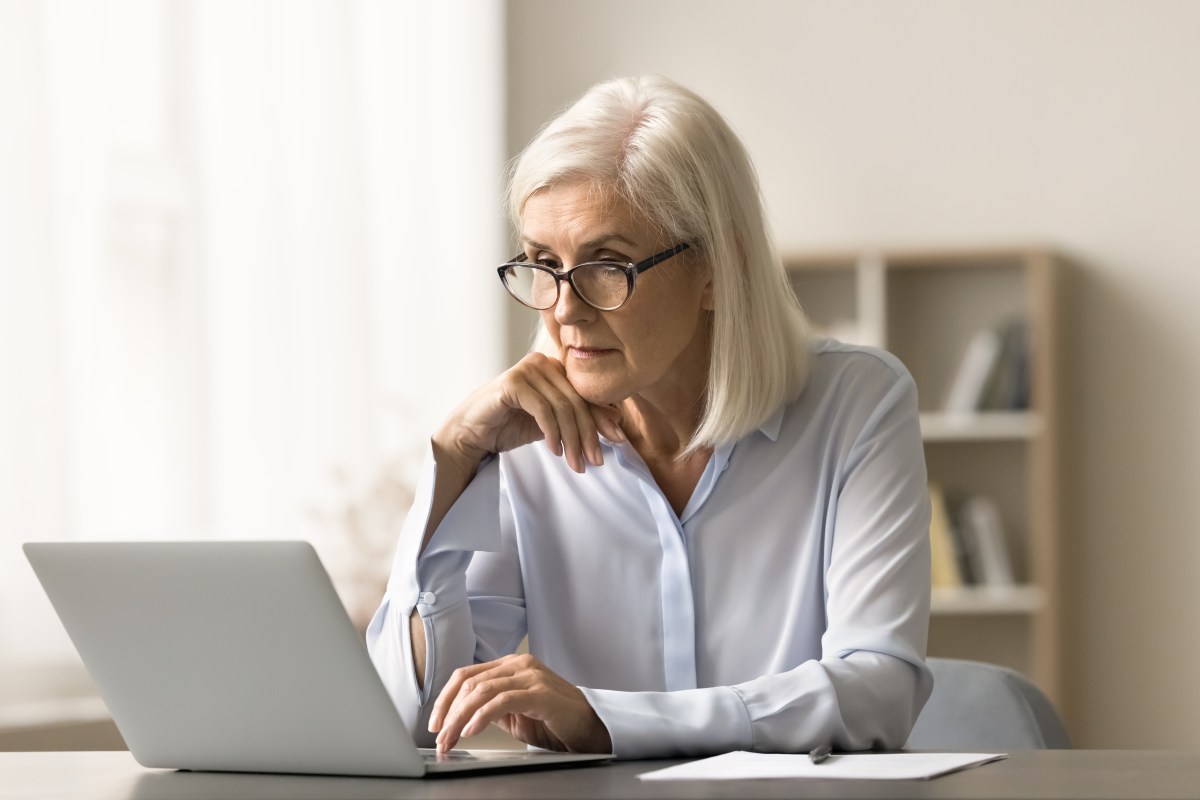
433,580
689,722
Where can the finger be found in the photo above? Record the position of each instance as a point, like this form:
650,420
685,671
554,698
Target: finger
574,421
528,730
568,418
505,666
520,701
450,691
532,401
473,695
585,416
608,421
548,378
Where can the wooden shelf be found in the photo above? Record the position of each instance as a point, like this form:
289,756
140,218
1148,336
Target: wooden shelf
980,427
987,600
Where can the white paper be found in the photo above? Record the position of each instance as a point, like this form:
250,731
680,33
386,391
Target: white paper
742,765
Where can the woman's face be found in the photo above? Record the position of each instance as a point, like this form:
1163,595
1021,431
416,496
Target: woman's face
655,344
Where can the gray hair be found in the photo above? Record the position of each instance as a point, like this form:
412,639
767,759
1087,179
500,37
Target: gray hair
667,153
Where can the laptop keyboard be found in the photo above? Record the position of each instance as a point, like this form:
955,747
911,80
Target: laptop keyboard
431,755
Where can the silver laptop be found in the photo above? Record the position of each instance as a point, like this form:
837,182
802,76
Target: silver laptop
238,657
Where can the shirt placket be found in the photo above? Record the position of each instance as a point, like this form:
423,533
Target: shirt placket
678,604
678,608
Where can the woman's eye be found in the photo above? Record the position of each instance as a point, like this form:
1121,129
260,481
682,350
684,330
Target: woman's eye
541,259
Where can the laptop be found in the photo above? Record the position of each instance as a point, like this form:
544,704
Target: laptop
237,657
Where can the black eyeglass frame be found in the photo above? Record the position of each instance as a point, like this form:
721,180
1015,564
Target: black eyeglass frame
631,272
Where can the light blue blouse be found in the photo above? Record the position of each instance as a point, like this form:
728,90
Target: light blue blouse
786,607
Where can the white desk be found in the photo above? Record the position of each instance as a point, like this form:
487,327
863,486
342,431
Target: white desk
1060,774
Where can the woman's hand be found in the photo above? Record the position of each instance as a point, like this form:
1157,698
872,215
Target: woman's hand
524,698
532,400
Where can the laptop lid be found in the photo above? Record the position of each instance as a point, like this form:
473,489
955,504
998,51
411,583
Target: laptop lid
230,656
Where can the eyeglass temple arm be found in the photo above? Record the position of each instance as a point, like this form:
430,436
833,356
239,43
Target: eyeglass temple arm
658,258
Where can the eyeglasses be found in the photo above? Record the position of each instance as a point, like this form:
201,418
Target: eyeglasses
603,285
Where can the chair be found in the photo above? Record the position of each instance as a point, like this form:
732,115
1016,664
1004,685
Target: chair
986,708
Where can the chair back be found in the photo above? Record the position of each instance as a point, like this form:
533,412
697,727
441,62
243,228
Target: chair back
985,708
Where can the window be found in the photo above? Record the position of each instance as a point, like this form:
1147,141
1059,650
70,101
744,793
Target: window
212,328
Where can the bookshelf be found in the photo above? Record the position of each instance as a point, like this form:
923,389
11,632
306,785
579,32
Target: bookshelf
925,306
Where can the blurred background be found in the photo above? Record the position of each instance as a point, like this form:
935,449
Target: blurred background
237,243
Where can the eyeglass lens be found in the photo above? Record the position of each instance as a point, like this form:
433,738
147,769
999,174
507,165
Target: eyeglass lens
599,285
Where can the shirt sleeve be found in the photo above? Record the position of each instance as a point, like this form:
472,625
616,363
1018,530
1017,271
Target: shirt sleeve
459,630
869,685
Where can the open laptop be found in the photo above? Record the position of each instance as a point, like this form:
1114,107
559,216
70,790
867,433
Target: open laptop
237,657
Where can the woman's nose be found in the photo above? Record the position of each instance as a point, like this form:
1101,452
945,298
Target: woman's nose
569,309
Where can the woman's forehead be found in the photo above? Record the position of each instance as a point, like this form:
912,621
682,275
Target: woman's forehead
581,213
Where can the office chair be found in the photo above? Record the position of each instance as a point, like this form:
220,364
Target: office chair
985,708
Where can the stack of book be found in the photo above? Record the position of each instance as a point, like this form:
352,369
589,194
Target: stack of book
994,372
967,542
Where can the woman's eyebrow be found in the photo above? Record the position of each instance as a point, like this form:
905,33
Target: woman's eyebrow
590,244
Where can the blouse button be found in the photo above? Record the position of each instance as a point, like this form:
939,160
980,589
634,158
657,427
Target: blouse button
428,598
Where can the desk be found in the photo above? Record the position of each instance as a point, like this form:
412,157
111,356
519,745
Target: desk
1062,774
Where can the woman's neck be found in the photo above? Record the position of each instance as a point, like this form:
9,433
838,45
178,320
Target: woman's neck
659,436
660,428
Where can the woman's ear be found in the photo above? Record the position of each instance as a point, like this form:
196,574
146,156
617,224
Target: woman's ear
708,300
707,292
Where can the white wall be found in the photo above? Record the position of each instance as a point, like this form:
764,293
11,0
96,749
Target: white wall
1075,124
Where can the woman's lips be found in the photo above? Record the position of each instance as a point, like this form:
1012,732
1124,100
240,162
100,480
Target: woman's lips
588,353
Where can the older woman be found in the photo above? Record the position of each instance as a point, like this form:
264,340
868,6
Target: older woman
722,540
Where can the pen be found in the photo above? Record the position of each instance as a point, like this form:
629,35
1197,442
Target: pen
819,754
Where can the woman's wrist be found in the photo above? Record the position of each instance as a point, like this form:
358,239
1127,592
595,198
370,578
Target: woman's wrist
454,470
454,458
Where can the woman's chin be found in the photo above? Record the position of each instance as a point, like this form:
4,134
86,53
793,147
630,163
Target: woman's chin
597,392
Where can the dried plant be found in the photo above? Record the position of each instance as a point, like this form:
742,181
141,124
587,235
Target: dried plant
358,530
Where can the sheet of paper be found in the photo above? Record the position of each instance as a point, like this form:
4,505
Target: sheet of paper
741,765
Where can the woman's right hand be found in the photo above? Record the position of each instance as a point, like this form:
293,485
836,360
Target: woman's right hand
533,400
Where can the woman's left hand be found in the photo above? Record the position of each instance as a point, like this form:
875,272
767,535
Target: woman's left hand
524,698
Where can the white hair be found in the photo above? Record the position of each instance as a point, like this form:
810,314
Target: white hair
667,153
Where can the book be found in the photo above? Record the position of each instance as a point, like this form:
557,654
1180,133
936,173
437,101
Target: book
944,568
993,373
986,550
974,370
1008,384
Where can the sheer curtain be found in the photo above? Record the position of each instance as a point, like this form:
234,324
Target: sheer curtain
245,252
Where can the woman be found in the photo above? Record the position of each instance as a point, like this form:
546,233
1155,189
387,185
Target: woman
721,541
